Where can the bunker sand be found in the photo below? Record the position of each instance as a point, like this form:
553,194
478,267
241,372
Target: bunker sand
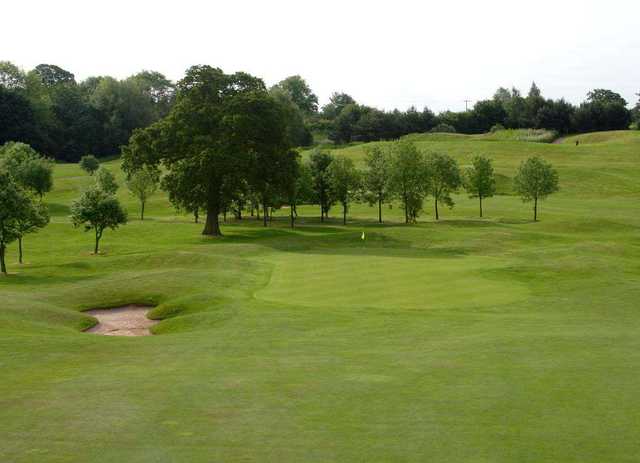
130,320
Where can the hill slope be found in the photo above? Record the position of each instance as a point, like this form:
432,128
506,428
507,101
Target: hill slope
464,340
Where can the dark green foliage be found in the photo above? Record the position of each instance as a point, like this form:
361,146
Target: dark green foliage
97,210
536,179
89,164
344,181
17,119
319,163
33,172
49,110
408,179
224,130
480,180
297,131
603,110
15,207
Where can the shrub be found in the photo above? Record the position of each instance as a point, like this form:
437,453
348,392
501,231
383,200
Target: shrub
443,128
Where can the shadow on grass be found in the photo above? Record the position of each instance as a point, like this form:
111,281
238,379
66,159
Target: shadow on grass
333,239
57,210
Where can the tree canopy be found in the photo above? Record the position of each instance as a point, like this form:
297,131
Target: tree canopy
479,179
97,210
536,179
222,130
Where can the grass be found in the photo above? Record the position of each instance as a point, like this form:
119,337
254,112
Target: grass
465,340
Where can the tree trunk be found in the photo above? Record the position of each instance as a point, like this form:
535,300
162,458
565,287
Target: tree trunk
535,209
195,216
265,214
142,211
212,225
406,209
344,213
436,203
321,212
379,210
3,267
20,250
480,197
96,247
291,216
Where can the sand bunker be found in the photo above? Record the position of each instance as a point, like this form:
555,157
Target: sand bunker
130,320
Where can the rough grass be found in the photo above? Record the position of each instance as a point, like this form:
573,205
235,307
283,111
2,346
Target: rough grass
466,340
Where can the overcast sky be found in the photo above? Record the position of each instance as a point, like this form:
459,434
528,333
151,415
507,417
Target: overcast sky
384,53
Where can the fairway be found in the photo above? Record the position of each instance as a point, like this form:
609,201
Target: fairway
464,340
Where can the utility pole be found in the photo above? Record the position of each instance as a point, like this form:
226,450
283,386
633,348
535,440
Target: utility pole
466,105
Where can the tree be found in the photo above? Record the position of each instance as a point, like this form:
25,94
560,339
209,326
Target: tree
336,104
33,172
89,164
555,115
487,113
319,163
536,179
207,142
408,177
15,208
17,119
480,181
52,75
344,124
300,188
11,77
443,179
35,216
344,181
37,176
377,176
604,96
106,181
97,211
143,183
297,131
300,92
533,103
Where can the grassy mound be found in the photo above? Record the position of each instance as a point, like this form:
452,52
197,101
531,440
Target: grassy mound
529,135
458,340
614,136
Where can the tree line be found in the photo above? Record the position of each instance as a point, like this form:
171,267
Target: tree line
346,121
48,109
225,145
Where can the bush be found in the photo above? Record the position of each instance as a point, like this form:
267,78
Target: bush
89,164
497,128
443,128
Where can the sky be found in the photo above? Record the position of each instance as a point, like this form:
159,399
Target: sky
387,54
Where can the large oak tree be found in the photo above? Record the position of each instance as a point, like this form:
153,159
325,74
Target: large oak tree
222,130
